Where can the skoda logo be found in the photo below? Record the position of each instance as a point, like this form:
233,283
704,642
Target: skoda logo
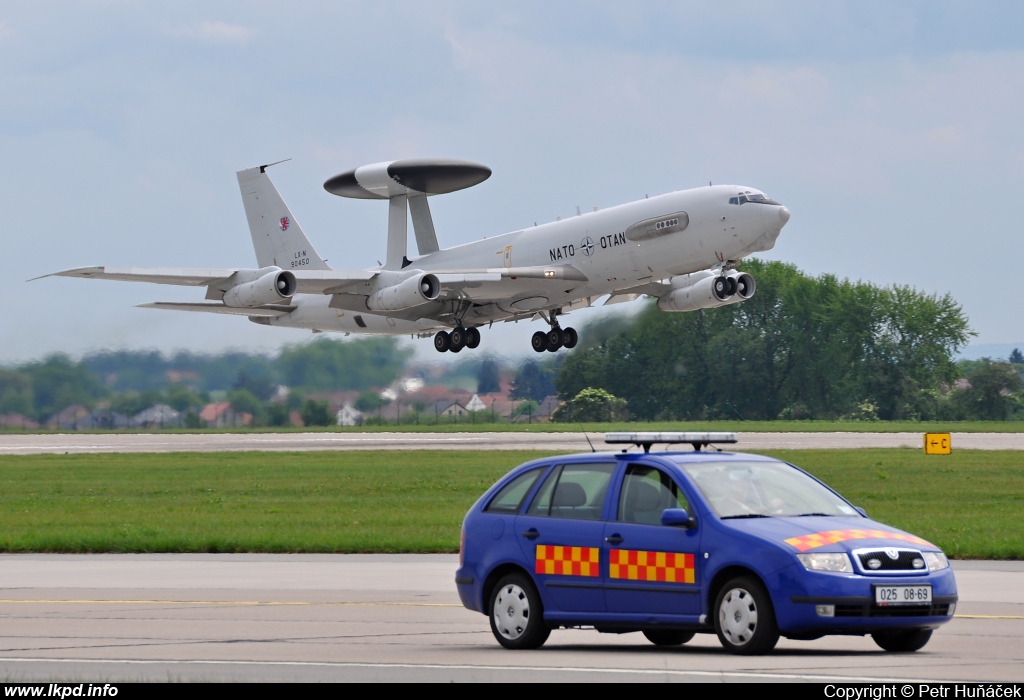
892,554
587,245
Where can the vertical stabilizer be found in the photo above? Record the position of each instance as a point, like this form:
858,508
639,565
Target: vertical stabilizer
276,236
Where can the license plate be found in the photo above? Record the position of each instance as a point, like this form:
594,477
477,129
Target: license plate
903,595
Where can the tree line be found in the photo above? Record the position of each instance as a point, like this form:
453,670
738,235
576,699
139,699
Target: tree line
801,348
130,381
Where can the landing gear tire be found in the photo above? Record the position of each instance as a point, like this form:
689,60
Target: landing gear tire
554,337
744,618
569,338
539,341
902,640
442,341
458,339
667,638
472,338
517,615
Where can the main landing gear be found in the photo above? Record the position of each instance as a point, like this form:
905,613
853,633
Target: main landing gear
456,340
554,339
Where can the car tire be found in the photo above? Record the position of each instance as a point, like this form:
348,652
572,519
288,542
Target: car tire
744,617
517,615
668,638
902,640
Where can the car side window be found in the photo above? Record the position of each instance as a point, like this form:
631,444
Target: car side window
510,498
646,492
574,491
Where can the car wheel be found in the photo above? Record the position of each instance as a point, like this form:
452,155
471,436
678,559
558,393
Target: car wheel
902,640
744,618
517,616
668,638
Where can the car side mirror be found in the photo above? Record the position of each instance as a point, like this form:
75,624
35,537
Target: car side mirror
677,517
861,511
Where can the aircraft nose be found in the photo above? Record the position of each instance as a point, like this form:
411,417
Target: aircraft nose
783,215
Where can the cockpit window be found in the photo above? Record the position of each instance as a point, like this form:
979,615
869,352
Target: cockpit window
752,198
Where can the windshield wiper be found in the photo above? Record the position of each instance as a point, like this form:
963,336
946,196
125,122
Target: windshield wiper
807,515
746,515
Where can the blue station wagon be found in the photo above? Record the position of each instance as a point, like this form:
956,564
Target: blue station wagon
671,544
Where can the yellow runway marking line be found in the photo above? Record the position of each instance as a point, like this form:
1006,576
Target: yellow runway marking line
241,602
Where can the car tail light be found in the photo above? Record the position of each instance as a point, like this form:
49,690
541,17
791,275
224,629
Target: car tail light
462,546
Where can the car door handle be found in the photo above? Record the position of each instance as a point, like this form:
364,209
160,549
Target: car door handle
613,539
531,534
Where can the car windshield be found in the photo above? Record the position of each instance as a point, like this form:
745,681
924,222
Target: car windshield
763,489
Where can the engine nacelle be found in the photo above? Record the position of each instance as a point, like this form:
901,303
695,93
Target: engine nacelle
273,287
745,286
416,289
705,290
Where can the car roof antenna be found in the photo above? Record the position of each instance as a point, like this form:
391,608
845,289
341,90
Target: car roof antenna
588,438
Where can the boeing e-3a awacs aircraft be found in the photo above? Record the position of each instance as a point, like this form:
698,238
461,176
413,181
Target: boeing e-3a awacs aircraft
681,248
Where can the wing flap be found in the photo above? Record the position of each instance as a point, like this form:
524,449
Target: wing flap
267,311
330,281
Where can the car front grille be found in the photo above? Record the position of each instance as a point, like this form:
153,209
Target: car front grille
904,560
867,610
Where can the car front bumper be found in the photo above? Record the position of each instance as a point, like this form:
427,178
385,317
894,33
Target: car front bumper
812,602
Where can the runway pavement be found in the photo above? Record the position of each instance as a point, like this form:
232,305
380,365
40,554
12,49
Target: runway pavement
17,443
109,618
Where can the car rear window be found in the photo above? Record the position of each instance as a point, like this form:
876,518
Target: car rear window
510,497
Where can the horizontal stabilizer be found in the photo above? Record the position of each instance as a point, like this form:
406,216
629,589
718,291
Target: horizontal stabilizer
267,311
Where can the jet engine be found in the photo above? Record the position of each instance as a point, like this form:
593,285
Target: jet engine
706,290
415,289
272,287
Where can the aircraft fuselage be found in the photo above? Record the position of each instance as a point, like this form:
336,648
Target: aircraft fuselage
603,245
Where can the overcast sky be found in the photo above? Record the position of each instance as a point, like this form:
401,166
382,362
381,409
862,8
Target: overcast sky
892,131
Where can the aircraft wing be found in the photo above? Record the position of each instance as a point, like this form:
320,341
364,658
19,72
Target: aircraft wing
307,281
267,311
186,276
482,284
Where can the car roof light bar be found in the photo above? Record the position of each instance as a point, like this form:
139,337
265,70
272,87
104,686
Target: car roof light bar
645,440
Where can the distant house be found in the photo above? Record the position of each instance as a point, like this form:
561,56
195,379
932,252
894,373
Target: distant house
546,407
16,420
348,415
447,408
109,420
222,415
71,418
157,416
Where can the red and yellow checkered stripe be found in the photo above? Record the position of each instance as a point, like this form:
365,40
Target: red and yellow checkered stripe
636,565
568,561
820,539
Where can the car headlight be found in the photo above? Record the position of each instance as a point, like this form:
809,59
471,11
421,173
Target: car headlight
825,561
935,560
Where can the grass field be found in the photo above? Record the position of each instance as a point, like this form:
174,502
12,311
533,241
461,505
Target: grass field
799,426
970,503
